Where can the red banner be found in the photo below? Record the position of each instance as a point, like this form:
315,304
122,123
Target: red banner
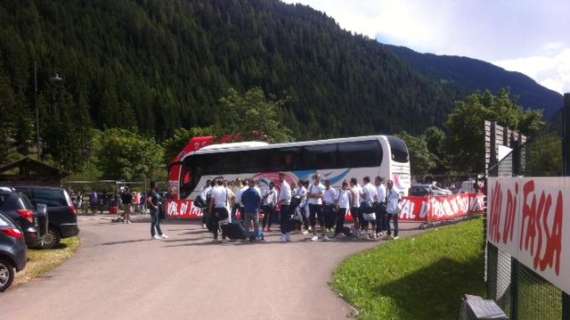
414,209
441,208
527,219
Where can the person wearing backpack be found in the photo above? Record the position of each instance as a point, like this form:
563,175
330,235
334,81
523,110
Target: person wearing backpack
205,197
218,207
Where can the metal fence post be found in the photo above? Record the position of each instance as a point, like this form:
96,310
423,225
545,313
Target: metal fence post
566,135
566,172
514,289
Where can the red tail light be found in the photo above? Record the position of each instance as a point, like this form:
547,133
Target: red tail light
73,210
26,214
13,233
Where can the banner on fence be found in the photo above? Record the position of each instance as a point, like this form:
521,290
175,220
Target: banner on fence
441,208
527,218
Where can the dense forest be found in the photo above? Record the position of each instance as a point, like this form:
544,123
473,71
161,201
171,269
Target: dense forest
159,65
151,68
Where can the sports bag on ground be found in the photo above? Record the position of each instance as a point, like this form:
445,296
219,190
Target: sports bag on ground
235,231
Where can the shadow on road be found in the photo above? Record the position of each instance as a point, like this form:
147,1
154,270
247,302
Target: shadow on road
124,242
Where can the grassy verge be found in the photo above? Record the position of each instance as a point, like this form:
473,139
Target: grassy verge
416,278
43,261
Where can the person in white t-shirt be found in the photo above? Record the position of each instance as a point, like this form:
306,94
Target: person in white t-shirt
239,204
219,201
284,202
231,199
380,206
356,191
315,195
295,201
303,208
329,206
369,195
342,207
392,209
268,202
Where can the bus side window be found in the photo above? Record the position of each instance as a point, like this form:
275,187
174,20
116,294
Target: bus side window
359,154
319,157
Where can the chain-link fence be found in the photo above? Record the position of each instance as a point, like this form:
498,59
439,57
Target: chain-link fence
518,290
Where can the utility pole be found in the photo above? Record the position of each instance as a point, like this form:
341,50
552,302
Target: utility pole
566,135
37,107
566,172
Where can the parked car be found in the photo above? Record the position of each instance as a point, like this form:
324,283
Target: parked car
61,213
12,251
18,207
428,189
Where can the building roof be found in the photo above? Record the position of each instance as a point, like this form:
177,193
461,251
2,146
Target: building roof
30,169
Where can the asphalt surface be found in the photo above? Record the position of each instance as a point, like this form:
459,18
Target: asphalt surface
119,273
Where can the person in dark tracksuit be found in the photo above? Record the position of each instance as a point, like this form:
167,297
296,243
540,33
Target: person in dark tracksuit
251,201
154,203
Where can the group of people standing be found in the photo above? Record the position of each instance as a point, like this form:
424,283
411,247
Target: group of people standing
374,207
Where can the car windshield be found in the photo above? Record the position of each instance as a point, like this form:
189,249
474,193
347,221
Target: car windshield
50,197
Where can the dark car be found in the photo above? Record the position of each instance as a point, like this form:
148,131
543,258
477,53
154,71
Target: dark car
12,251
61,213
18,207
428,190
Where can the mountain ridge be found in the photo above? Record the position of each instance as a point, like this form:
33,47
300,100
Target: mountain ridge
449,69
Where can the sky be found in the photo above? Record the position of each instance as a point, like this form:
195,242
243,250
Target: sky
529,36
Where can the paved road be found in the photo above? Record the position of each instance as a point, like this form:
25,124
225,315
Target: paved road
119,273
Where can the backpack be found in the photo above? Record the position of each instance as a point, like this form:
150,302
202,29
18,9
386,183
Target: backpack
199,202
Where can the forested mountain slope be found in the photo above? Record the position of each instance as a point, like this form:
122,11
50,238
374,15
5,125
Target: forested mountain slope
157,65
472,74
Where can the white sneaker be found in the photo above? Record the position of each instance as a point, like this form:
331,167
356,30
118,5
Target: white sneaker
164,236
396,238
305,232
283,238
157,237
326,238
315,238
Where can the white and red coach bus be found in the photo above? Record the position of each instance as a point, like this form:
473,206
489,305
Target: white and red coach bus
334,159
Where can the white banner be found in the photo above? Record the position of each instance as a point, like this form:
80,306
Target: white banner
530,219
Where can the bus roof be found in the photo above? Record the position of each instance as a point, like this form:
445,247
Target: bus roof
234,145
242,146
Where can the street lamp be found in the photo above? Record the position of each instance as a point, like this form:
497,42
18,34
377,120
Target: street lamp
56,78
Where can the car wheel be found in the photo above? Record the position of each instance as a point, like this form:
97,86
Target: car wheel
6,274
50,240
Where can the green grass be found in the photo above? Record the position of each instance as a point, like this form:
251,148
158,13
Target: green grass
43,261
422,277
